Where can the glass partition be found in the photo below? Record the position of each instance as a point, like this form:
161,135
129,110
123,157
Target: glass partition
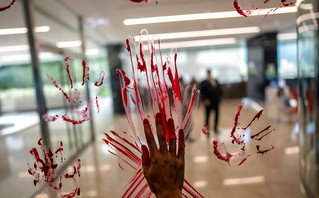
308,37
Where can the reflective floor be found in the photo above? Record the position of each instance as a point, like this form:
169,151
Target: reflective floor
274,174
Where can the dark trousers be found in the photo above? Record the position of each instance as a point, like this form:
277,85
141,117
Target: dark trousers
208,110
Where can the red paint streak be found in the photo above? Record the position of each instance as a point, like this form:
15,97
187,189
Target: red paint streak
49,118
257,116
139,1
284,2
205,130
8,6
225,158
232,133
264,151
97,104
66,60
60,88
257,134
258,139
44,170
86,75
244,160
238,9
154,71
101,79
83,113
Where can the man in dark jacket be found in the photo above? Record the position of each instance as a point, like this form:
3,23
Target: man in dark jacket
211,94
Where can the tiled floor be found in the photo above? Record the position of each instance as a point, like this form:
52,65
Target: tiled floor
275,174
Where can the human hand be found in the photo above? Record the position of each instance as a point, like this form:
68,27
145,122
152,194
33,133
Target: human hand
163,169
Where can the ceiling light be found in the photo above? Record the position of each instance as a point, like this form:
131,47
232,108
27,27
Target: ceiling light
287,36
202,16
202,33
94,51
66,44
244,180
14,48
25,57
23,30
197,43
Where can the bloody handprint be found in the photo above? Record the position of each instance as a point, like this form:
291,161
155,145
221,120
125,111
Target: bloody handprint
238,139
78,116
44,170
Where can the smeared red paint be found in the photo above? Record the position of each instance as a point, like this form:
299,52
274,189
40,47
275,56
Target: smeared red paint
44,170
236,123
205,130
75,96
257,116
8,6
240,140
101,79
139,1
97,104
264,151
66,60
247,12
284,2
49,118
154,70
238,9
243,160
86,74
226,157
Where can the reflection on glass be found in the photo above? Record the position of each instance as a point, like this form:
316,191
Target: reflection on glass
308,36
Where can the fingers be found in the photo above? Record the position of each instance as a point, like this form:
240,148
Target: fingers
146,161
181,145
149,136
160,133
172,137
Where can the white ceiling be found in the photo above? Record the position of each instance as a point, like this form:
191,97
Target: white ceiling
118,10
115,11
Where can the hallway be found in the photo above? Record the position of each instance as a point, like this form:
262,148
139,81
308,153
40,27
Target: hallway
275,174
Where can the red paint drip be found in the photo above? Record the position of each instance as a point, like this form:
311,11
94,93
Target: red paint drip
8,6
86,75
257,116
44,170
244,160
101,79
97,104
60,88
257,134
264,151
232,133
66,60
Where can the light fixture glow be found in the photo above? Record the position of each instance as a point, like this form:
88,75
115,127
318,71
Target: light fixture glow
244,180
202,16
292,150
201,159
93,51
199,184
14,48
23,30
66,44
202,33
24,57
287,36
197,43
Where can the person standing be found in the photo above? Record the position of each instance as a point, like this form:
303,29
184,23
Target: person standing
211,94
